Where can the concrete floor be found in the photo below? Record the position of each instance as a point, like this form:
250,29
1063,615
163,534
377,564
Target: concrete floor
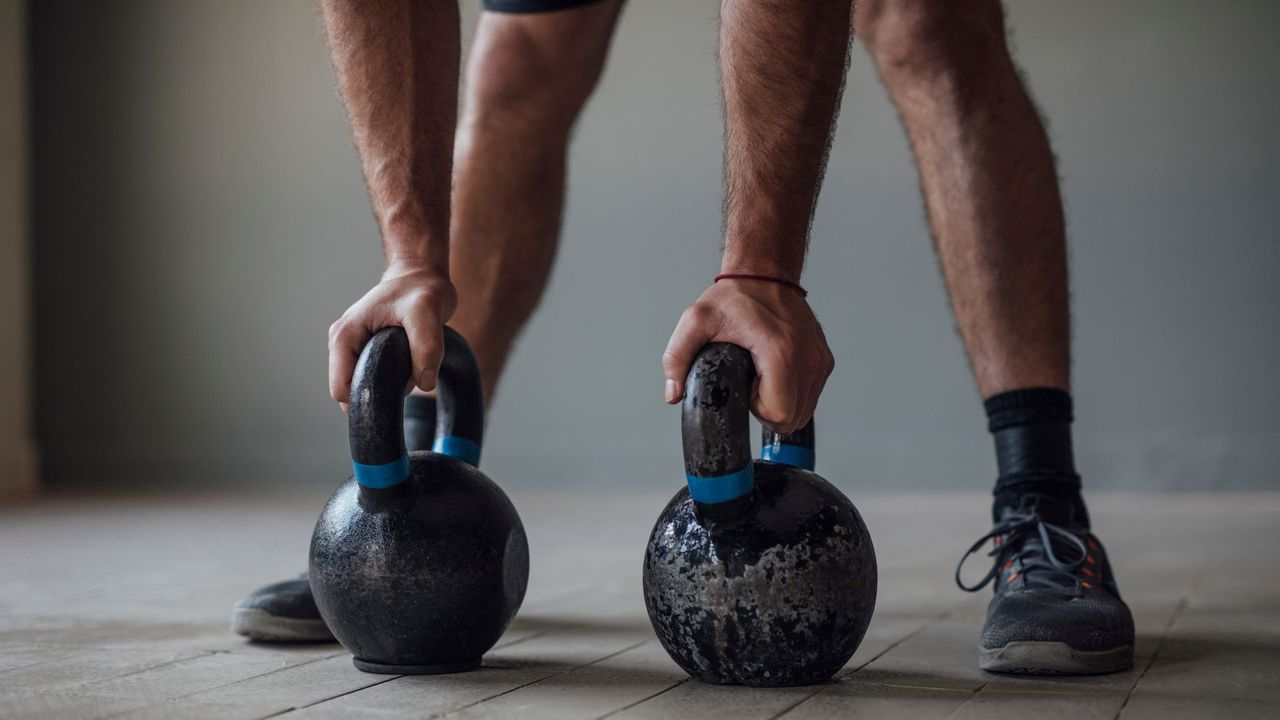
118,607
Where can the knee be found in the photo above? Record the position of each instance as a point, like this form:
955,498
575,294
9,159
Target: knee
518,81
928,36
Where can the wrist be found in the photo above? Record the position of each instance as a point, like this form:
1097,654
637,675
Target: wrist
416,250
427,273
762,266
777,284
417,261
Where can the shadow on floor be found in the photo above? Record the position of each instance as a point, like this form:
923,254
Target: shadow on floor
553,623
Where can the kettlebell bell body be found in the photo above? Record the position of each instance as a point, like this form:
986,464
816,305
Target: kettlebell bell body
419,561
757,573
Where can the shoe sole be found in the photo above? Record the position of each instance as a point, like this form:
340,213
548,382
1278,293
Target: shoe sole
262,626
1053,658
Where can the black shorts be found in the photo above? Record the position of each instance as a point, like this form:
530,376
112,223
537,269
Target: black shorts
533,6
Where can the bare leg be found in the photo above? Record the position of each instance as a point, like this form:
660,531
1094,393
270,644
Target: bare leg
989,183
993,200
528,77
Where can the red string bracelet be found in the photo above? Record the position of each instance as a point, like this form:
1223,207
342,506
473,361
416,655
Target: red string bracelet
763,278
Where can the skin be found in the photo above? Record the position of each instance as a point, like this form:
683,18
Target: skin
529,75
397,67
528,78
782,67
986,171
989,183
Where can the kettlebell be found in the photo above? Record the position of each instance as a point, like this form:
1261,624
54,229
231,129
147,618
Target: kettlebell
757,573
418,561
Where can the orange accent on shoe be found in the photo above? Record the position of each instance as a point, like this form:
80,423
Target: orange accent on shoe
1008,565
1092,545
1087,571
1085,583
1091,559
1013,577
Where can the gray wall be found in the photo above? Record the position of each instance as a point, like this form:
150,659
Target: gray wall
200,220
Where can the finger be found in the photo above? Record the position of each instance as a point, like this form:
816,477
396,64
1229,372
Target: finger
346,339
811,382
826,364
695,329
781,393
425,329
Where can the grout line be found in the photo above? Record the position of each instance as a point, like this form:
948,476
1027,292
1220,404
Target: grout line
335,697
1155,654
390,679
969,699
517,641
162,701
534,682
842,675
628,706
80,687
942,689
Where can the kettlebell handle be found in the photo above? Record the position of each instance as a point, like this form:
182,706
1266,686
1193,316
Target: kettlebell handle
715,421
375,415
795,449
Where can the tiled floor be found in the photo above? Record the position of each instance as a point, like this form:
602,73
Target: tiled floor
117,607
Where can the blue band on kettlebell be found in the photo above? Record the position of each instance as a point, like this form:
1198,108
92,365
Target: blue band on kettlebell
382,476
458,447
793,455
721,488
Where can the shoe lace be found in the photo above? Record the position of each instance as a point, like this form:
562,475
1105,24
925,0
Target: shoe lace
1025,539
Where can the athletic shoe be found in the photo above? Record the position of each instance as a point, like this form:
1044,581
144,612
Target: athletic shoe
281,612
1057,609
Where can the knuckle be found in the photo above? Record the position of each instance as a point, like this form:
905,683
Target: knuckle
771,416
420,302
700,313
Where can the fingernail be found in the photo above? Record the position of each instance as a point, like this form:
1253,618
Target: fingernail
672,393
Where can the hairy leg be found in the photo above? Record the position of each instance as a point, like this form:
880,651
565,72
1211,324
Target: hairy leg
989,183
528,77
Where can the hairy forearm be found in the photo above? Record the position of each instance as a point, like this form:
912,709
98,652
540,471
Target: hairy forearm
397,66
782,67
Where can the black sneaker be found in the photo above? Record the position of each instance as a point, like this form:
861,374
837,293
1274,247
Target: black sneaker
1056,610
281,612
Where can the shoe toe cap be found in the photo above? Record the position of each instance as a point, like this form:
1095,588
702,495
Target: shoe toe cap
1087,623
288,599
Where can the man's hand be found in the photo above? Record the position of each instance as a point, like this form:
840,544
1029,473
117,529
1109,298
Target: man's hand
776,325
416,299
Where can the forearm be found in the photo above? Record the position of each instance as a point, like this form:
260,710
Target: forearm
782,65
397,66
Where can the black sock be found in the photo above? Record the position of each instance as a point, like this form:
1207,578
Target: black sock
1032,431
419,422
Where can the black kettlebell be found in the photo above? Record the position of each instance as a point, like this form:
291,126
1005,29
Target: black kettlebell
758,573
419,561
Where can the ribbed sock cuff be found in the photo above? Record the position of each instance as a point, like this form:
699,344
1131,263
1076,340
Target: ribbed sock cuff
1026,407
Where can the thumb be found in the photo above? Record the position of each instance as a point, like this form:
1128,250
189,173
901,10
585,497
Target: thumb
692,333
426,345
